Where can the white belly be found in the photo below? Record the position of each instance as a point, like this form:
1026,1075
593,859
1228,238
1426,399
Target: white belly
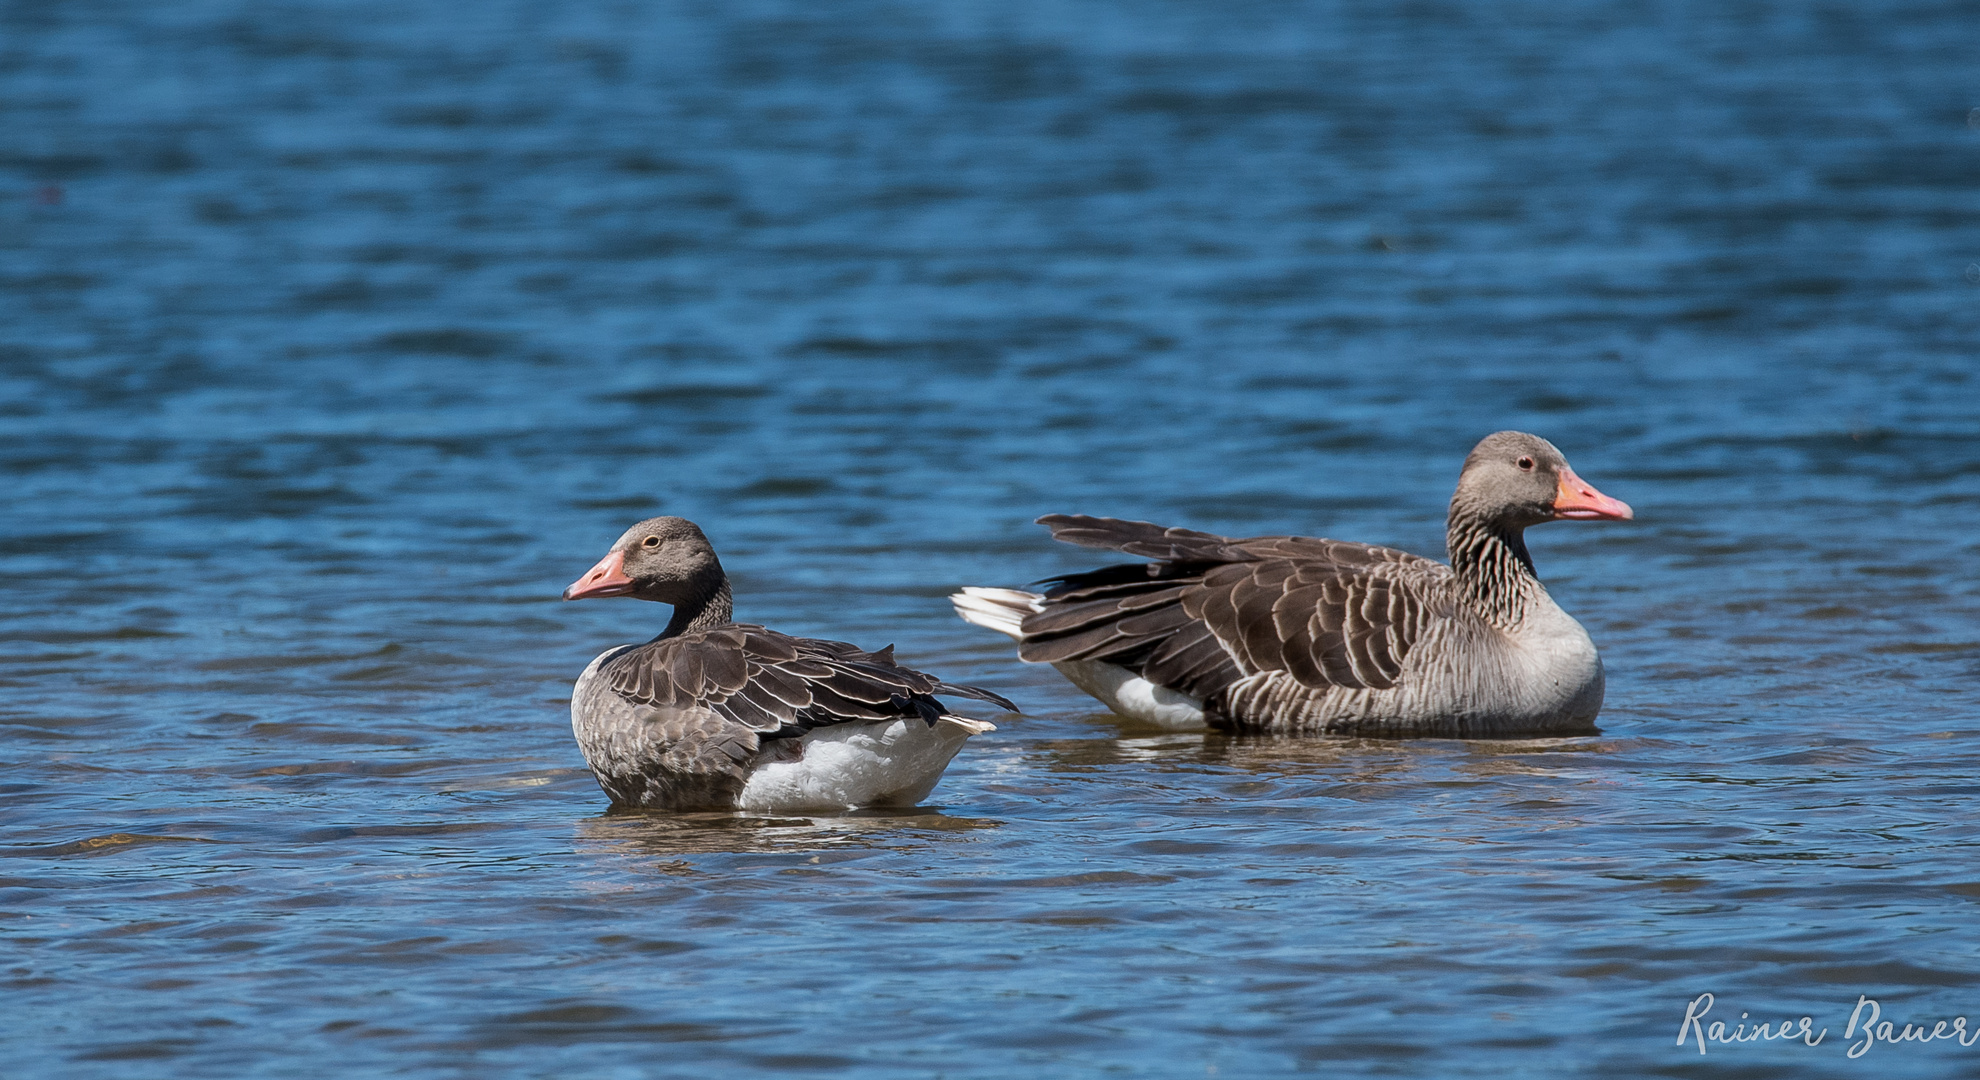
852,765
1133,696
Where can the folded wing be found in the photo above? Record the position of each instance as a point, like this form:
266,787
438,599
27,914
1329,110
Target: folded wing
1210,611
738,685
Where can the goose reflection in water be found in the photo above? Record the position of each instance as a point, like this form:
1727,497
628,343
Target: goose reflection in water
667,835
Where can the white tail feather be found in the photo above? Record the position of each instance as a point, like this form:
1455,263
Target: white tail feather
1002,610
972,727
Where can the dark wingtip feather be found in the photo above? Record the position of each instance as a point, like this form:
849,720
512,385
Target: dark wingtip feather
1145,539
1087,531
978,693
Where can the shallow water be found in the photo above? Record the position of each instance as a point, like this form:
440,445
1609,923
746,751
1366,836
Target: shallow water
336,339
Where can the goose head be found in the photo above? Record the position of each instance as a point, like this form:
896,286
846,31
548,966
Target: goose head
664,558
1513,480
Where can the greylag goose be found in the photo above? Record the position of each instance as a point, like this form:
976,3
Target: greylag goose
720,715
1302,635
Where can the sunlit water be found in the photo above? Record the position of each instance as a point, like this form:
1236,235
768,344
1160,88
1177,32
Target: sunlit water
337,338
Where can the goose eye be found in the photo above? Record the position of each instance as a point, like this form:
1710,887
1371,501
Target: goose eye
1526,463
651,542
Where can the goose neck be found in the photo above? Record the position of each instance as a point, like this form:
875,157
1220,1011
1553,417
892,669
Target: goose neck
706,609
1494,570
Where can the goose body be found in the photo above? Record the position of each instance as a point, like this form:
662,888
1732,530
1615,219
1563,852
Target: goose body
1307,635
720,715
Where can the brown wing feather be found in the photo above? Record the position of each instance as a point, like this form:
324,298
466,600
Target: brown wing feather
1191,661
1140,538
1077,625
1210,610
771,684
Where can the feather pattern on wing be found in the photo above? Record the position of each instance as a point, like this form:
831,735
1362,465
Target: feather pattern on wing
1212,611
775,685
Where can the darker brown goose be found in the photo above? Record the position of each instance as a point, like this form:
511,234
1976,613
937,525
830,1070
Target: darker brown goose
681,721
1304,634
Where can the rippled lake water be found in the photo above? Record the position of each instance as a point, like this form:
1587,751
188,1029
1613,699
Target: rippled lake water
336,338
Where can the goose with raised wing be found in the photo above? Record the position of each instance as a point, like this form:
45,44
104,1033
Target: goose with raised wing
721,715
1303,635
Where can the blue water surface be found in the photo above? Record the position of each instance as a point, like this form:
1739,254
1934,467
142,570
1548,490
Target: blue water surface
335,338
